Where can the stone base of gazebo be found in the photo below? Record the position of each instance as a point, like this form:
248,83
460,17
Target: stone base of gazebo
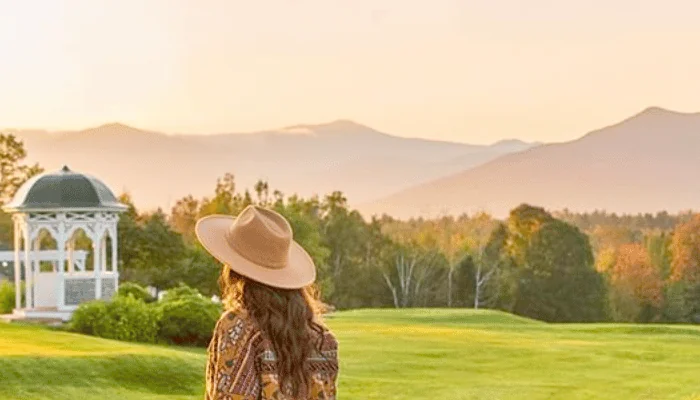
47,316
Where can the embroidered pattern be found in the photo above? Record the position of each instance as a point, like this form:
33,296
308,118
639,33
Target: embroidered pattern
243,366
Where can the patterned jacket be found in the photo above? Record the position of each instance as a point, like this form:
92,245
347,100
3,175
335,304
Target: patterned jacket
242,364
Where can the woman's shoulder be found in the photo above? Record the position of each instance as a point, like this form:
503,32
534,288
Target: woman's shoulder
235,323
329,342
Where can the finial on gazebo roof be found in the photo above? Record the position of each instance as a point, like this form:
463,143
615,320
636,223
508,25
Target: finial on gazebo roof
65,169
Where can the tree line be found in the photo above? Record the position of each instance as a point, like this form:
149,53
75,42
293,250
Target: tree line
559,266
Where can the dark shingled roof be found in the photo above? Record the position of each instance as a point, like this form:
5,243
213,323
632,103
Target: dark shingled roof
64,189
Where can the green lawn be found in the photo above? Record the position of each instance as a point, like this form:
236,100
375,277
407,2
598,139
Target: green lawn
416,354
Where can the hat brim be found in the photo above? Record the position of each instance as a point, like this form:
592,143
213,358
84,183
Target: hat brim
298,273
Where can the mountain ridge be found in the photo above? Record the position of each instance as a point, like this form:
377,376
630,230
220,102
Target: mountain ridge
159,168
604,169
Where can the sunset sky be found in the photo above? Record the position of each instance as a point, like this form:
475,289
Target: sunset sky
472,71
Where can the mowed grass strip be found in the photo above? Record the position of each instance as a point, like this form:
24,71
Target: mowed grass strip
40,363
387,354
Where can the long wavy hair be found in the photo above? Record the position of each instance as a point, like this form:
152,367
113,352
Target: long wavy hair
288,318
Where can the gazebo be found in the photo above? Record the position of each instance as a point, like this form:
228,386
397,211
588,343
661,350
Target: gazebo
56,207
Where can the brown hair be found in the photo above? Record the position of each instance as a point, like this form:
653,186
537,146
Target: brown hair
288,318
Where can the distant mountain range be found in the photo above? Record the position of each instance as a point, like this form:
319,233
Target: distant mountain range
157,169
647,163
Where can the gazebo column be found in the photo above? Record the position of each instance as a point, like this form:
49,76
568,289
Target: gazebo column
96,247
34,267
28,273
71,261
115,273
103,253
60,277
18,270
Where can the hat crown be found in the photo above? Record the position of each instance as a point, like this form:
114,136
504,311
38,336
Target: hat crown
262,236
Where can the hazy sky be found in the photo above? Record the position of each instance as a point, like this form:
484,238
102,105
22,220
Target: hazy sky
464,70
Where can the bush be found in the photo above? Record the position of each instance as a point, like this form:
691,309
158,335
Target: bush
7,297
188,320
136,290
124,318
184,316
180,292
90,318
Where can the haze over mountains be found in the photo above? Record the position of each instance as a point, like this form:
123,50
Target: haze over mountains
158,169
647,163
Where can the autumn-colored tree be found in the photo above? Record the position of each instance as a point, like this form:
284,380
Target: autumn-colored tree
226,200
659,248
523,223
636,287
183,217
612,236
685,269
685,245
457,239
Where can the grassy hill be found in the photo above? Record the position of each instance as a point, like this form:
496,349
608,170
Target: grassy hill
387,354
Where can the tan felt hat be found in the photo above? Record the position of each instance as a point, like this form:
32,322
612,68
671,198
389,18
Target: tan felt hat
258,244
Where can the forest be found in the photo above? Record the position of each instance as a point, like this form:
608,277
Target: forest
558,266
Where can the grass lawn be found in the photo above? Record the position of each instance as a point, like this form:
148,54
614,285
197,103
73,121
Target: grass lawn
386,354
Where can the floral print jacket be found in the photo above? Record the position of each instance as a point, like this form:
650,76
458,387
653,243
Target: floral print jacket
242,364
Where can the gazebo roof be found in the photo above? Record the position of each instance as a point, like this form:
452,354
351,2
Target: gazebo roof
64,190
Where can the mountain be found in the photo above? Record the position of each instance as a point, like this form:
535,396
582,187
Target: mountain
157,169
647,163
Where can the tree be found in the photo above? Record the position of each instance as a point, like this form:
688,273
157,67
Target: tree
262,191
409,276
659,248
225,201
473,238
555,277
636,287
685,268
344,234
489,264
199,270
685,264
303,216
184,216
612,236
464,281
163,251
129,233
523,223
12,172
151,252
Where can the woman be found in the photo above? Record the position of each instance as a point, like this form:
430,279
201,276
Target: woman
270,343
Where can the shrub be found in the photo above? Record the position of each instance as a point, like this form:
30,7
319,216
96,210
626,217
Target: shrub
90,318
136,290
188,320
7,296
124,318
180,292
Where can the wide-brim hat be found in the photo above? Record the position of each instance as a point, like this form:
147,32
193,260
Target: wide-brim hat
259,245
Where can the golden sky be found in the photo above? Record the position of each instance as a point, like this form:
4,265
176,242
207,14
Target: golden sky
464,70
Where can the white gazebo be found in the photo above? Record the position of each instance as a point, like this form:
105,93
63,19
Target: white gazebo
56,207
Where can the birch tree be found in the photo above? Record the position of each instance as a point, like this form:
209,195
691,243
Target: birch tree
407,277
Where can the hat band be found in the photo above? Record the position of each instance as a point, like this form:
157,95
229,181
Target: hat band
262,259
